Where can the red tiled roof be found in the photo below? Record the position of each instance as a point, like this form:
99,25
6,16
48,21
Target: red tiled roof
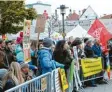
107,16
73,16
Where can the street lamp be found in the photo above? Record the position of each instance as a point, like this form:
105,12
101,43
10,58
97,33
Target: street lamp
63,12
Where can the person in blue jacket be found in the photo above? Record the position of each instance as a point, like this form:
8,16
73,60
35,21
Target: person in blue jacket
98,51
20,55
45,57
97,48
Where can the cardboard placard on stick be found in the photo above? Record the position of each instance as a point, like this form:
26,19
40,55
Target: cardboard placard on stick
40,24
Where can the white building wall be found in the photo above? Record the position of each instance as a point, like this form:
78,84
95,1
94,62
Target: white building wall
41,8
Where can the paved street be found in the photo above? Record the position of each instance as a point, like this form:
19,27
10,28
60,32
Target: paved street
100,88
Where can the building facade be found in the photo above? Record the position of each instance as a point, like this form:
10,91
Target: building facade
40,8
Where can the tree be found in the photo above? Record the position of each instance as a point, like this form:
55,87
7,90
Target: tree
12,15
53,22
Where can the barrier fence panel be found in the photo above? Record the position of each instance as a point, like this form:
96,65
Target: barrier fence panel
90,69
56,83
40,84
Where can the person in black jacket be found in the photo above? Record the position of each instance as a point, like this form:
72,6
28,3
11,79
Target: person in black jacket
2,60
9,52
78,43
88,50
62,55
90,54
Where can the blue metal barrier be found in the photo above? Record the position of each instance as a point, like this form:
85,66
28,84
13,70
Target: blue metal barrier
39,84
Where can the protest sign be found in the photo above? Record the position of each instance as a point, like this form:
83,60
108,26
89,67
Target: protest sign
26,40
57,81
43,84
71,71
91,66
40,24
63,79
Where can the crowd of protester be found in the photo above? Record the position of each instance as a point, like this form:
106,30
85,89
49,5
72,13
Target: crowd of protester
49,56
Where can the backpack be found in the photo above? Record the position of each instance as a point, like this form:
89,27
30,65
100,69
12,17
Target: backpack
39,72
39,66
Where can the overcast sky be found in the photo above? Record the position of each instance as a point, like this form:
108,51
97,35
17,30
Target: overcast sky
100,6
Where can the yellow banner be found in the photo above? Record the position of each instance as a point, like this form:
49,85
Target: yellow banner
63,79
91,66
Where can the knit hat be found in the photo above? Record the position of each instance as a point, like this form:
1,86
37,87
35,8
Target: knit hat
47,42
24,65
19,40
86,39
21,34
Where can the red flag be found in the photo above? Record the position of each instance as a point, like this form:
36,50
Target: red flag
99,31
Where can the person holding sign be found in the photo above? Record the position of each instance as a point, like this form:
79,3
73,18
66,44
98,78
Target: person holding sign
62,55
20,54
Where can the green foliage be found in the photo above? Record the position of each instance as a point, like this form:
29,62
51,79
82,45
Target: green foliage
13,14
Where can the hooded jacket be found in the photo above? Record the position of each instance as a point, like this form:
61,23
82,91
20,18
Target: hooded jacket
20,57
46,62
19,53
97,50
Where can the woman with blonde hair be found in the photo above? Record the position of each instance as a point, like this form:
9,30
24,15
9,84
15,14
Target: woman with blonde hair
13,77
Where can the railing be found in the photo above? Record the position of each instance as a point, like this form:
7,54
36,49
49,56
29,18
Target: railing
50,82
40,84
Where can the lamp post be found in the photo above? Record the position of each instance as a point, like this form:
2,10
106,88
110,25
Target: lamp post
63,12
